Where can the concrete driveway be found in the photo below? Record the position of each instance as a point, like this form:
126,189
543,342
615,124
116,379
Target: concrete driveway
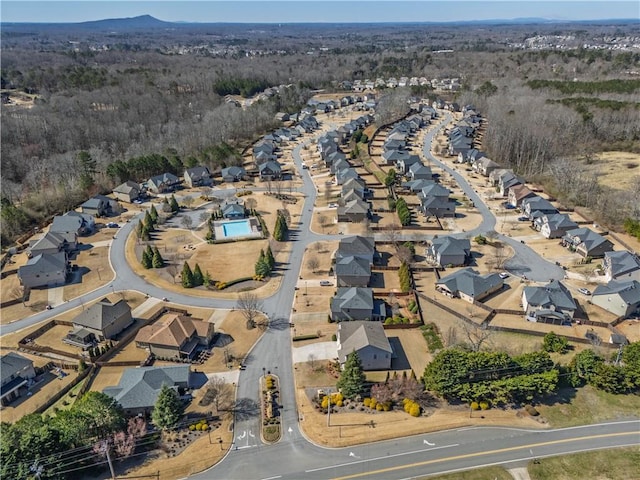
320,350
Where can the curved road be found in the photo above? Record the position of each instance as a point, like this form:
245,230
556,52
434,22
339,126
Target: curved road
294,456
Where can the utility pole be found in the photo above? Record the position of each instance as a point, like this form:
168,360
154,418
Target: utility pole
37,469
106,449
329,409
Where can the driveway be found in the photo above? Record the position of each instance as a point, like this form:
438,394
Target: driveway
320,350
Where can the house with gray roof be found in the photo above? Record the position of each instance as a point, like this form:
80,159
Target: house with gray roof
404,164
349,195
534,207
392,157
554,225
434,190
354,211
449,251
469,285
104,319
438,207
419,171
16,372
357,246
622,265
233,174
484,166
96,206
551,303
507,181
345,174
127,191
352,271
352,303
369,340
198,177
415,186
53,242
138,389
339,164
518,193
167,182
44,270
270,170
586,242
71,224
620,298
356,184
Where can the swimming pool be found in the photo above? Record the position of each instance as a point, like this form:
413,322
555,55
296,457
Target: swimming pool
237,228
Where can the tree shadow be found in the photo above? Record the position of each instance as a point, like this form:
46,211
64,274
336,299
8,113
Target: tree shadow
245,408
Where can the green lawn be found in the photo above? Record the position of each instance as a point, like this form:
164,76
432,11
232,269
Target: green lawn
588,405
614,464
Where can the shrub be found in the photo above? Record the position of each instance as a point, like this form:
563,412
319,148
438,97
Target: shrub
334,337
379,407
192,427
373,403
386,406
531,410
415,410
366,402
475,406
484,405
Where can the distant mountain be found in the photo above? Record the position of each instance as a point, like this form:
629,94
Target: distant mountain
140,22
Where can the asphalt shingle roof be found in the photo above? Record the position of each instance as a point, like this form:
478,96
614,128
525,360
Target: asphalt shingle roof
552,294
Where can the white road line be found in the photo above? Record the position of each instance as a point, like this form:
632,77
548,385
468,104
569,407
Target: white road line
272,478
382,458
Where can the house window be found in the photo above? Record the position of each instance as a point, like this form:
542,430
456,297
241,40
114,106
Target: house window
375,356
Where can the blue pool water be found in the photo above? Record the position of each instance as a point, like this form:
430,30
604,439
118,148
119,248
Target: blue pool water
236,229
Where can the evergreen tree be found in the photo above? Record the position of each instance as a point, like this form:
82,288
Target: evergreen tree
198,278
187,276
206,279
270,258
352,378
153,213
145,234
158,261
149,251
139,228
87,170
173,204
148,221
168,409
262,268
147,261
165,205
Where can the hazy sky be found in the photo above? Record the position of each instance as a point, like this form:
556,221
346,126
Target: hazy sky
314,11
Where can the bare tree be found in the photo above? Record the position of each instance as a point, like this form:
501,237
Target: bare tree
312,361
250,306
323,222
477,335
500,255
313,263
404,254
204,217
219,391
207,192
188,201
187,222
250,203
451,337
392,234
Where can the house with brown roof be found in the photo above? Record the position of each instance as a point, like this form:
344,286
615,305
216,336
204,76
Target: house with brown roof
178,336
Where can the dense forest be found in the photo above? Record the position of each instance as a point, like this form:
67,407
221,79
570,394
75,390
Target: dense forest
146,96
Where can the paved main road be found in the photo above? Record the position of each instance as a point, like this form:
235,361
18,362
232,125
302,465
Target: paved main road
460,449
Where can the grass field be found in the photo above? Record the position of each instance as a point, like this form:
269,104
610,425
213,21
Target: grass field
614,464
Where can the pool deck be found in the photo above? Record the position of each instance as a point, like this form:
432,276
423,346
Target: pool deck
254,226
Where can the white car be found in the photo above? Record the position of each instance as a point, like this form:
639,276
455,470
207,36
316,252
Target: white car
584,291
333,205
503,275
325,283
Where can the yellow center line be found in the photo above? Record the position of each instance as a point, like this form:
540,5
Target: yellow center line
479,454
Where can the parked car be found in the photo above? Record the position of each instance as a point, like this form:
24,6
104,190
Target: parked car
503,275
325,283
584,291
523,219
333,205
112,225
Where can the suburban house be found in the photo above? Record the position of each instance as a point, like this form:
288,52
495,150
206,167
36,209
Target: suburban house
469,285
437,207
16,371
449,251
346,174
233,174
485,166
620,298
404,164
551,303
494,176
357,246
352,303
434,190
534,207
352,271
96,206
127,192
198,177
270,170
354,211
586,242
138,389
104,319
368,340
622,265
338,165
415,186
356,184
73,222
518,193
554,225
507,181
44,270
419,171
178,336
233,208
53,242
167,182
